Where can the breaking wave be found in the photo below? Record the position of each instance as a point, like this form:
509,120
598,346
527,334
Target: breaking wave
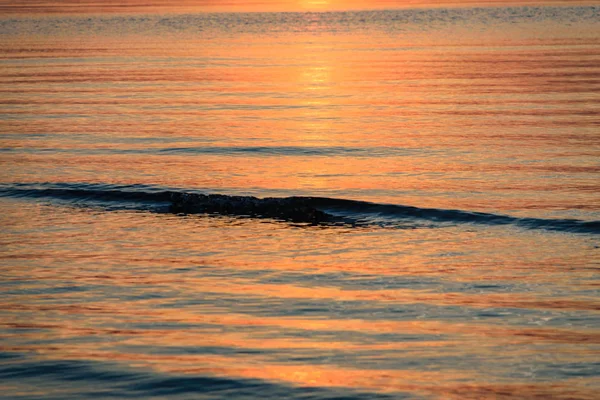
313,210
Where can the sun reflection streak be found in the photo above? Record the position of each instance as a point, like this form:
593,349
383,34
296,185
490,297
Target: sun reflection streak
315,5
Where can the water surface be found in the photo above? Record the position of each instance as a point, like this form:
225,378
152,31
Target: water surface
456,149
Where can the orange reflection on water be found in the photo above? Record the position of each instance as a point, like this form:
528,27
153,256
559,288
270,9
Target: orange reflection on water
446,384
146,6
313,89
307,90
310,90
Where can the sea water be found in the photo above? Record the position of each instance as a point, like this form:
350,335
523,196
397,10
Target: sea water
456,151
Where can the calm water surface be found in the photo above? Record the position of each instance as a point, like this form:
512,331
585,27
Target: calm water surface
459,149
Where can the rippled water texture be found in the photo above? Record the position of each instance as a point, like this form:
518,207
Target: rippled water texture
447,160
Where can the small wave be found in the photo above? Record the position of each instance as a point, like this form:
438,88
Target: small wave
294,151
262,151
313,210
128,196
74,379
456,216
